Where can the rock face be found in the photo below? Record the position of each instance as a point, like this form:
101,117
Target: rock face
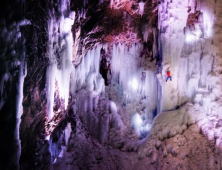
83,84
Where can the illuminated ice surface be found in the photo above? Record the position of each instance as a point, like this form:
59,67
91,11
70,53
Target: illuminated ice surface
136,91
59,70
138,84
195,76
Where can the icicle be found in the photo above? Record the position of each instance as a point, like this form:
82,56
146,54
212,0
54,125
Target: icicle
208,17
51,74
60,70
68,131
136,83
19,108
141,7
172,40
88,66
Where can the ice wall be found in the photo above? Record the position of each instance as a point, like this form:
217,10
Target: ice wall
190,46
130,71
133,86
172,20
87,88
87,73
201,60
187,50
60,54
134,78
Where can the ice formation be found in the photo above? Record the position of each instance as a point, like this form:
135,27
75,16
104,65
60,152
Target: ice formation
141,8
60,56
111,3
130,71
135,91
137,122
68,131
19,109
171,26
87,72
195,65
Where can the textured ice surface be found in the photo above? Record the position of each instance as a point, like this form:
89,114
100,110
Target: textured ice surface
189,104
60,55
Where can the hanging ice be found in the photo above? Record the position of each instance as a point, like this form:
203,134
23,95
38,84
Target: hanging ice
67,131
141,7
137,84
60,46
87,72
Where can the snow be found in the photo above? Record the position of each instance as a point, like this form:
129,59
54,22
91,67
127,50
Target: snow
168,124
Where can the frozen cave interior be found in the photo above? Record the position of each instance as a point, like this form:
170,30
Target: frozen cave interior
83,84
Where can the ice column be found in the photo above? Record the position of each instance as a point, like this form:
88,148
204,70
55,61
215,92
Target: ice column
87,71
60,55
172,20
19,110
135,79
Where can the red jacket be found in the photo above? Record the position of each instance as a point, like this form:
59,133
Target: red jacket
168,73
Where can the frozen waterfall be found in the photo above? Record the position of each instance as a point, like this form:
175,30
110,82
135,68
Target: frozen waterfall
60,56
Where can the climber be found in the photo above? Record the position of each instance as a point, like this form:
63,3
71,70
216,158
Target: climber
168,75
